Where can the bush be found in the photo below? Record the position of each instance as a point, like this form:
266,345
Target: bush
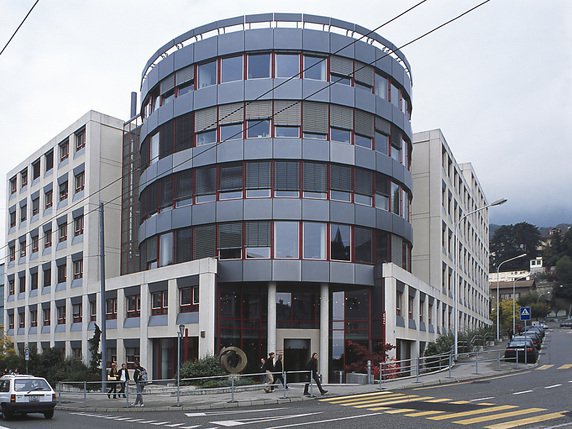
208,366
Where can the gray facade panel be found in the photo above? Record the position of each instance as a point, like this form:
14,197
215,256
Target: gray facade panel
258,89
398,117
166,67
256,270
383,109
342,212
342,272
183,104
365,52
184,56
364,158
286,208
229,151
288,90
181,217
364,274
227,211
230,43
132,322
231,92
204,155
315,271
284,270
182,160
315,90
206,49
203,213
365,100
383,220
287,148
398,171
151,226
152,122
256,208
342,153
318,150
164,221
205,97
315,210
188,318
316,41
342,95
365,216
259,39
166,113
407,179
398,72
153,78
287,38
230,271
258,149
383,164
159,320
164,166
337,42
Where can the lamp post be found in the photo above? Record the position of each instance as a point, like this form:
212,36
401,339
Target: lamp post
180,334
514,301
456,289
498,299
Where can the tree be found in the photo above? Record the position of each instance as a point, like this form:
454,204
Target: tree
95,355
512,240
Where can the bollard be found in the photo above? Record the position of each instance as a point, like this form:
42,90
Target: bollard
232,390
127,393
84,391
450,365
285,384
517,358
417,370
380,375
341,377
311,378
477,362
499,358
368,372
60,393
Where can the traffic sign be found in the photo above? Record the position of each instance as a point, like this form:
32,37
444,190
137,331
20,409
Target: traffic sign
524,313
26,352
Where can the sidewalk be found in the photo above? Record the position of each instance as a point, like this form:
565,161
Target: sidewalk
485,365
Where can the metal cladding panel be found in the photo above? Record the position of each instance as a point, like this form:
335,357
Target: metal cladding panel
159,320
206,97
204,155
152,123
229,271
315,90
261,39
166,67
181,217
315,210
132,322
165,166
206,49
316,41
257,209
286,208
364,274
398,117
318,150
342,272
230,151
342,212
342,45
256,270
364,100
184,57
316,271
343,95
231,43
164,221
260,148
144,89
182,160
150,226
258,89
188,318
407,179
166,113
152,78
342,153
229,211
287,148
365,216
183,104
383,220
398,171
287,90
231,92
365,53
384,109
203,214
407,129
398,72
364,158
285,270
288,38
383,62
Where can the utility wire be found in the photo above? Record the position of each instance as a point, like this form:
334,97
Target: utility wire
13,34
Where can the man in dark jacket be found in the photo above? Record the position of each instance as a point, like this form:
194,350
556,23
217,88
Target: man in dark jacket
140,378
123,377
312,366
269,369
279,370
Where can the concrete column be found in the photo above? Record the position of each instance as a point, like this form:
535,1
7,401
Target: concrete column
85,333
324,352
172,299
271,323
207,313
145,350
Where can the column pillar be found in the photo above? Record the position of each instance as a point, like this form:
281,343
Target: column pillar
324,353
207,312
271,323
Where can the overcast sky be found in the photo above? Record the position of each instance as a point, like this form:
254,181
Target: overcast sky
497,82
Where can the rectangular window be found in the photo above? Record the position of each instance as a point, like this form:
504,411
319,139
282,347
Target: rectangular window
63,190
410,305
23,212
61,313
13,185
231,69
166,249
33,318
22,320
188,299
206,137
340,135
286,240
63,232
363,245
47,238
287,178
35,243
22,248
80,140
159,303
13,218
133,305
287,65
230,240
394,95
381,142
230,181
34,281
398,303
154,148
79,182
314,240
395,205
23,177
258,66
258,179
314,180
207,74
22,284
362,141
49,158
314,67
64,150
10,321
231,132
381,86
363,187
47,275
340,242
35,206
78,226
78,269
48,199
46,313
111,309
62,273
184,188
341,182
205,184
76,312
258,128
284,131
257,240
36,169
92,311
11,287
12,252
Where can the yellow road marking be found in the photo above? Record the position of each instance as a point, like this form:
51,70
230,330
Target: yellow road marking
439,400
565,366
424,413
420,398
460,402
473,412
363,395
399,411
522,422
351,402
498,416
544,367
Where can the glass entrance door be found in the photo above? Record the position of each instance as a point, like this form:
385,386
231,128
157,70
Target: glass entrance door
296,356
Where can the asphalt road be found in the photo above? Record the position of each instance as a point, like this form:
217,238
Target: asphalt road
536,398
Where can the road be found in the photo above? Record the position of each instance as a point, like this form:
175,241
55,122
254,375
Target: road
536,398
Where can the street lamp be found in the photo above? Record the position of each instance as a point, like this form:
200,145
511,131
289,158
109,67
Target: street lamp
514,301
180,334
456,289
498,299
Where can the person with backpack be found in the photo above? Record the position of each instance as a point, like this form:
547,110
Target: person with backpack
312,368
140,377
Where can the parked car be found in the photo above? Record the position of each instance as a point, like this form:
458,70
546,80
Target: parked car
22,394
532,336
566,323
523,350
536,329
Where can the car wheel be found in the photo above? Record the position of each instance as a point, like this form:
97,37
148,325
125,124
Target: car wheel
7,415
49,414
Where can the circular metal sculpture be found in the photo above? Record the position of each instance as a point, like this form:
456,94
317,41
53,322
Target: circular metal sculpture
233,359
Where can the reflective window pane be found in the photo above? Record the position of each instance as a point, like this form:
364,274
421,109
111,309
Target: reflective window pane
231,69
286,239
258,66
340,242
230,132
314,67
258,128
207,74
287,65
206,137
340,135
286,131
314,240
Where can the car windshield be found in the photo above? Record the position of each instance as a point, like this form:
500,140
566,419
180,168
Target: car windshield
522,339
28,385
518,344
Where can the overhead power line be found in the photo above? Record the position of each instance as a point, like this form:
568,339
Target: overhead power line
13,34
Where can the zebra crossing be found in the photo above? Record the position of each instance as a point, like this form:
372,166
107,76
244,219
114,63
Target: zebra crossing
446,409
549,366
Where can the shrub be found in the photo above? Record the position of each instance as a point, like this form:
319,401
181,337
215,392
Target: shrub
208,366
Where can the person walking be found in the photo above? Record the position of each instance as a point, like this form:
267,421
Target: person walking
123,377
312,366
269,369
279,371
112,378
140,377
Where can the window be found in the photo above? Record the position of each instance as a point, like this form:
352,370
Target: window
48,199
188,299
184,188
380,84
78,226
395,206
258,179
47,275
341,70
36,169
340,242
363,245
257,240
10,320
13,185
22,319
47,238
80,182
230,132
398,303
49,158
63,232
63,190
61,313
231,69
11,287
314,240
13,218
111,309
382,186
285,131
64,150
78,269
230,240
258,128
34,281
206,137
207,74
12,251
35,206
35,243
363,187
76,312
287,179
410,305
340,135
154,148
287,65
80,140
159,303
33,318
230,181
394,95
206,184
258,66
22,247
381,142
23,212
362,141
185,79
314,180
23,177
286,240
46,312
62,274
314,67
341,182
92,311
133,305
166,249
22,284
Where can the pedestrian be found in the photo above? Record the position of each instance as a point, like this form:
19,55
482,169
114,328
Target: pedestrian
112,378
269,369
123,377
279,371
140,377
510,334
312,367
